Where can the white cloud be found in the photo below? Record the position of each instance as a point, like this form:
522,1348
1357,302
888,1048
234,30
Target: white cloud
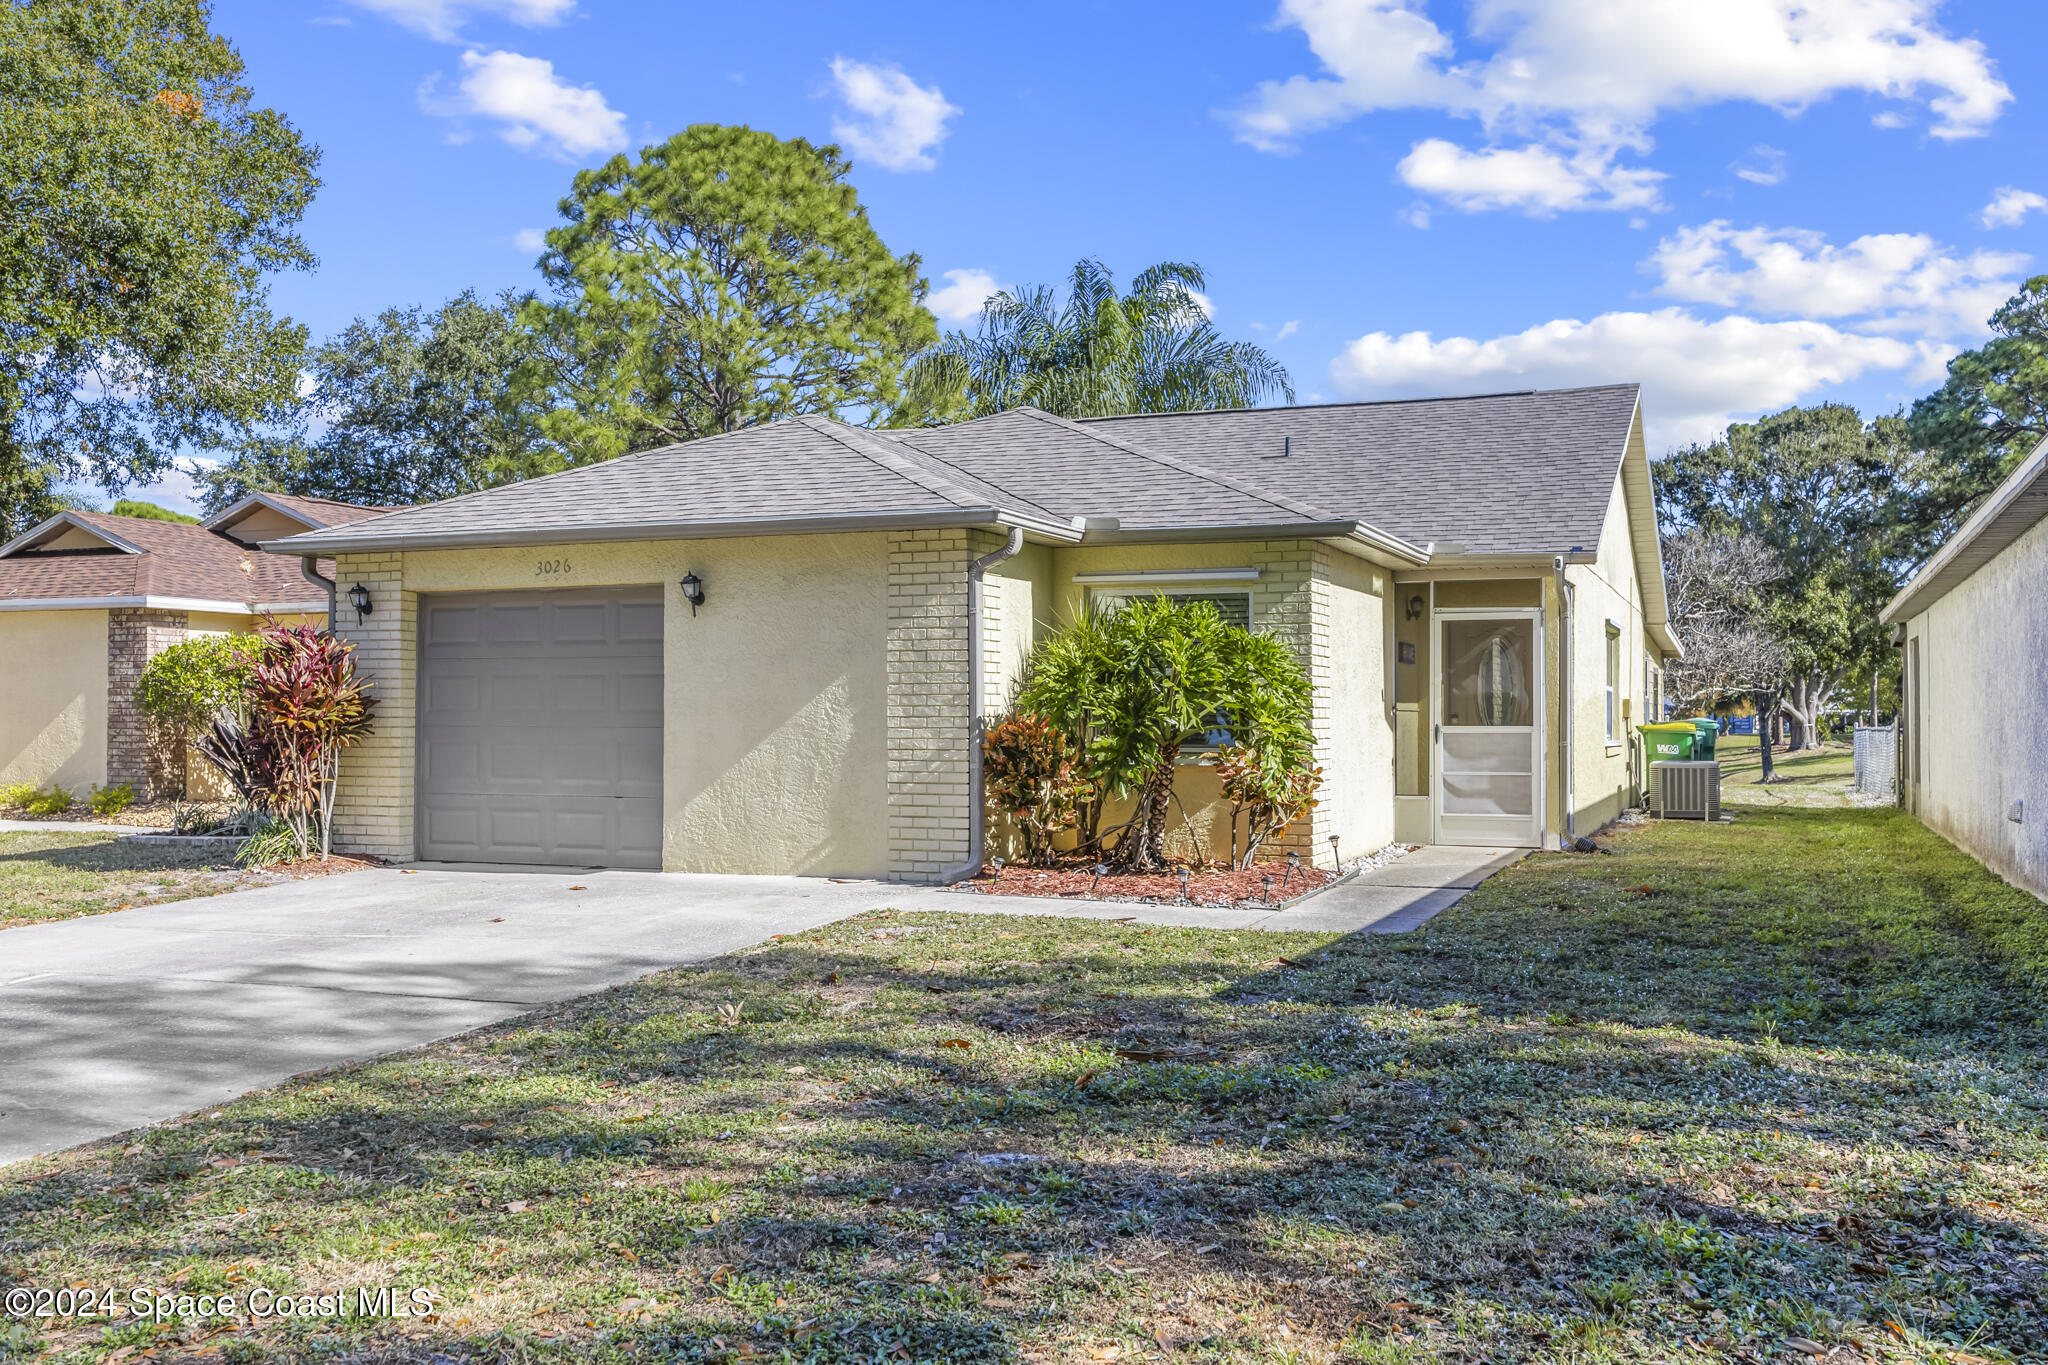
1537,180
960,298
1697,373
2011,205
1894,282
442,19
531,239
537,111
1765,165
1287,329
893,121
1579,81
1203,302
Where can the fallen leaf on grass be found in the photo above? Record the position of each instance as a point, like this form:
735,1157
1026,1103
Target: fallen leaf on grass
516,1206
1805,1345
956,1042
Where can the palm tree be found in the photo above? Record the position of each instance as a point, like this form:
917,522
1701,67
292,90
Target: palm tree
1100,354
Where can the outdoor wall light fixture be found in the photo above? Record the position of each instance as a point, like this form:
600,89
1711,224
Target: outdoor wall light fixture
359,598
1415,605
693,592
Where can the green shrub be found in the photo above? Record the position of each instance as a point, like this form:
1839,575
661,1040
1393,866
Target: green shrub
111,800
18,795
55,801
1033,775
187,684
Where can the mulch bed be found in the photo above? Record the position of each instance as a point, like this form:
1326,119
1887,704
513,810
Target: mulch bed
1207,886
307,868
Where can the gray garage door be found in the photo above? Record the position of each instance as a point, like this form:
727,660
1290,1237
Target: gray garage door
540,727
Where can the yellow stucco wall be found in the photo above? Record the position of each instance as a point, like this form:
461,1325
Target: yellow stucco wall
53,697
1982,711
776,692
1605,777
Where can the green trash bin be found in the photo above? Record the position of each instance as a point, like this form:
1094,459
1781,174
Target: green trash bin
1707,731
1672,739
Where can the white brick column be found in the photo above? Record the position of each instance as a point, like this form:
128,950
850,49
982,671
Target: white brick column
373,805
928,702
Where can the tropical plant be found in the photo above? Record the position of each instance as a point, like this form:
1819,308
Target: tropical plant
1136,685
1032,772
1153,349
726,278
307,703
146,199
406,407
280,748
1267,797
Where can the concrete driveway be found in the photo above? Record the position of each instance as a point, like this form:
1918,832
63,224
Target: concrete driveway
114,1021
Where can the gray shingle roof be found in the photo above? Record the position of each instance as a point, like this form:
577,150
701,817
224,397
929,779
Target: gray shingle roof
1507,473
1497,474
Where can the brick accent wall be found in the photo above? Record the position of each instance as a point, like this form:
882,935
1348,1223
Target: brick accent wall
928,700
373,803
135,635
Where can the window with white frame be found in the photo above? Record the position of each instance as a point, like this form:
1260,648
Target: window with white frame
1613,688
1234,605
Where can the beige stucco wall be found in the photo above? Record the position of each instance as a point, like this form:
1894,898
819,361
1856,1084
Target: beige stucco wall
1983,709
775,751
53,698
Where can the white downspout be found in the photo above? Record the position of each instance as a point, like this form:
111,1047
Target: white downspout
1564,697
976,704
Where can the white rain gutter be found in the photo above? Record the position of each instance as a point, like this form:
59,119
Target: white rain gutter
977,815
1564,695
203,604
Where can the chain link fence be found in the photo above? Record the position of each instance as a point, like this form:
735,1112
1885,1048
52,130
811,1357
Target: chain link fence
1877,761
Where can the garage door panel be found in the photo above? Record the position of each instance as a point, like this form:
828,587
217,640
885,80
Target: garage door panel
541,727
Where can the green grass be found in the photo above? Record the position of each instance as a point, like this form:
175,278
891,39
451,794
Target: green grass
1820,777
57,876
1733,1091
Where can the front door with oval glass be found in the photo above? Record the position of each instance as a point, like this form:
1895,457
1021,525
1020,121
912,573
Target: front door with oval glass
1489,704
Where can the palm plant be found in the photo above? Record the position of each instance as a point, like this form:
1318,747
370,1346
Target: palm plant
1134,686
1099,354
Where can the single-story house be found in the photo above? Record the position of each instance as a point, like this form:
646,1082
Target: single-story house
1973,628
771,650
86,599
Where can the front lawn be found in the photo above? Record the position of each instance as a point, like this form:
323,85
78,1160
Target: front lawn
1766,1090
1811,777
52,876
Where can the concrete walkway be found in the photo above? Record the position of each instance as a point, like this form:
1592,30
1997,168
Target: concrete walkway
113,1021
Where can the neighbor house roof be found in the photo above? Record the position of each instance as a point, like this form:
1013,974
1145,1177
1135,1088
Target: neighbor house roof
1521,475
96,559
2015,507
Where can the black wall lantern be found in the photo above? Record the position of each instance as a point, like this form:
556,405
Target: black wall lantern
693,592
1415,605
359,598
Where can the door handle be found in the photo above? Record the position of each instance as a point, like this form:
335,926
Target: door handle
1439,734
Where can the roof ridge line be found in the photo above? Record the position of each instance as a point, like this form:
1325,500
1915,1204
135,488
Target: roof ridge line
1280,500
902,437
1636,384
891,461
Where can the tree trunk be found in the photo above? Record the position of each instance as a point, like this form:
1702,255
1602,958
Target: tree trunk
1143,846
1767,722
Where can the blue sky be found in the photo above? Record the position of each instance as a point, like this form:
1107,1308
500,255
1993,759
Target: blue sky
1743,205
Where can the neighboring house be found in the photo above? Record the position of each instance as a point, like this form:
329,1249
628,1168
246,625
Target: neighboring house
549,692
1973,628
87,598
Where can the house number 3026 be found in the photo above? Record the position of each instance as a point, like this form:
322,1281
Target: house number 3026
547,567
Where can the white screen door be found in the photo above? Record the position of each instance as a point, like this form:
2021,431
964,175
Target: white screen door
1489,749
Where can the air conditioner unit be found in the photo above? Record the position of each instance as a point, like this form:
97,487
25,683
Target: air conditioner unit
1687,789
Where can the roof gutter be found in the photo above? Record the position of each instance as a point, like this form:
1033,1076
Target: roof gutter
205,604
977,705
328,543
309,565
2017,484
1357,532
